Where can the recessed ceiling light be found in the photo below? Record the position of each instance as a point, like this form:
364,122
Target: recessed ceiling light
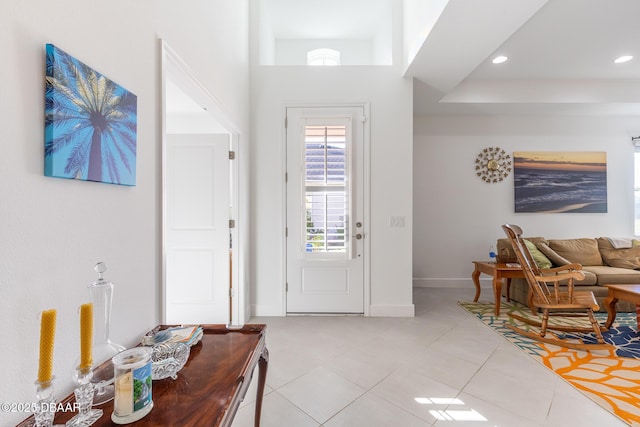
499,59
625,58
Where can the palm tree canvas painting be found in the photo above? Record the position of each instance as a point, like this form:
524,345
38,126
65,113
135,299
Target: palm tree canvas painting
90,123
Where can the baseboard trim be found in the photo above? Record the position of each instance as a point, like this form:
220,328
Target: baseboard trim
407,310
425,282
266,311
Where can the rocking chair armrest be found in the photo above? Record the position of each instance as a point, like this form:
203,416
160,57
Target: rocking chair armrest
567,267
555,278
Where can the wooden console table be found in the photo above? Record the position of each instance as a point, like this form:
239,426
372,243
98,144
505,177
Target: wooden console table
629,293
211,385
498,271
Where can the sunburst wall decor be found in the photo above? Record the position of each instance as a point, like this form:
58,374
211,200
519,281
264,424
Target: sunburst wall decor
493,164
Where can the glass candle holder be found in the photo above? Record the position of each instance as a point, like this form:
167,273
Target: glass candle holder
45,409
84,399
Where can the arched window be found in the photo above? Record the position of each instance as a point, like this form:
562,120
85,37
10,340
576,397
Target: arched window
323,57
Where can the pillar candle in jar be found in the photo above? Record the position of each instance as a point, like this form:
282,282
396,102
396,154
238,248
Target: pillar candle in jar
86,335
123,401
47,335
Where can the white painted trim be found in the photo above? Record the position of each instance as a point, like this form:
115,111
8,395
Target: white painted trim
392,310
367,208
266,310
423,282
283,224
366,106
175,69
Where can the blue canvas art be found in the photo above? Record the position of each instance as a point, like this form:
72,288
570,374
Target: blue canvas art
560,181
90,123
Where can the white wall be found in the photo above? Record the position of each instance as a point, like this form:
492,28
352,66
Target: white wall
53,231
457,215
391,177
390,98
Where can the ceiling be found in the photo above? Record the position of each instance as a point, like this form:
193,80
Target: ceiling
560,52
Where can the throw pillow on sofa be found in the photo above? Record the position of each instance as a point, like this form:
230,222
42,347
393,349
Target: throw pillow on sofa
580,251
541,260
505,250
621,258
555,258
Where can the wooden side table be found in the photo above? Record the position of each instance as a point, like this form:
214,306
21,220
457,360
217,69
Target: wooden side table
209,388
498,271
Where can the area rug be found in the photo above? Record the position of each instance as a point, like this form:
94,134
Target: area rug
610,378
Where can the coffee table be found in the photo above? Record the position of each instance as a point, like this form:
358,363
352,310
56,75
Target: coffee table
498,271
629,293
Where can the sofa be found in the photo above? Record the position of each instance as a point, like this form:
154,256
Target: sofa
604,261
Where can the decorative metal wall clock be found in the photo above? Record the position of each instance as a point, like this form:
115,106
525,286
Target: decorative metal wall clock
493,164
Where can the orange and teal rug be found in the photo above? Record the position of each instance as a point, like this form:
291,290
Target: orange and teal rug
611,378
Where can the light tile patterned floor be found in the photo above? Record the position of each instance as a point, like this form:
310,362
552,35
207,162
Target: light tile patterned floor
440,368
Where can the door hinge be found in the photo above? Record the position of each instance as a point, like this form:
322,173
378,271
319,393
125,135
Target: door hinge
286,287
363,119
286,232
232,223
232,155
286,122
286,177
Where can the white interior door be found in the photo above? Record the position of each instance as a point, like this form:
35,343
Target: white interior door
197,229
325,210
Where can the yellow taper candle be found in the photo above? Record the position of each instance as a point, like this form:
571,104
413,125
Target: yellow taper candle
47,335
86,335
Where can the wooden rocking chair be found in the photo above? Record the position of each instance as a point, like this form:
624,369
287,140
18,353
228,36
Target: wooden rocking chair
553,301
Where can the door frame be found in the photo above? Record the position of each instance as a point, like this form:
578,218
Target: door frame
367,194
174,69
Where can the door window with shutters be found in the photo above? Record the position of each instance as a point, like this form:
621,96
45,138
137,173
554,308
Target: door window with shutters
326,189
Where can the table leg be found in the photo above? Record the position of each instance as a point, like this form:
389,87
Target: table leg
475,276
508,289
497,290
262,379
610,306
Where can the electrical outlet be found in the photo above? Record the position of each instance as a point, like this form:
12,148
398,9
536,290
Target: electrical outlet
396,221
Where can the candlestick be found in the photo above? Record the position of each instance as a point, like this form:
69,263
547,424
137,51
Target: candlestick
44,410
84,399
86,335
47,335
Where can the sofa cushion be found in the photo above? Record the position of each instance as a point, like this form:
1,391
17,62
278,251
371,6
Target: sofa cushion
582,251
622,258
613,275
553,256
505,251
541,260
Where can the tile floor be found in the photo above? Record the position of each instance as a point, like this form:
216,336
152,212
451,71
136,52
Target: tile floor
441,368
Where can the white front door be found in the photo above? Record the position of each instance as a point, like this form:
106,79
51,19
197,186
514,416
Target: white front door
325,210
197,229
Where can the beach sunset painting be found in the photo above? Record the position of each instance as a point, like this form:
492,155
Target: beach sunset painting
560,181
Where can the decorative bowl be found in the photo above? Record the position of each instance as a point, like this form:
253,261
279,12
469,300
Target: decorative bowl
167,359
